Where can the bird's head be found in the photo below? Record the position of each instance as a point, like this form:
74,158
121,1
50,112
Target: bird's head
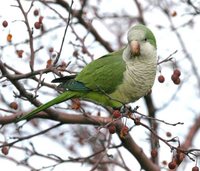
141,41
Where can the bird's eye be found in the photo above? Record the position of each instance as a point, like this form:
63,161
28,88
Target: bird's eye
145,39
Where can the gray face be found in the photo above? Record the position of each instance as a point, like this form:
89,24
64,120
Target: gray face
137,35
141,33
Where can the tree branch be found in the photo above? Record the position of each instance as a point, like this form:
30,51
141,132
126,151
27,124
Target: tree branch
135,150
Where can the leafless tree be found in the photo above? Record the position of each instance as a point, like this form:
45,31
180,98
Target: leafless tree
54,38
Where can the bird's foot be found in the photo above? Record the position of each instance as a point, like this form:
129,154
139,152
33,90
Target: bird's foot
127,108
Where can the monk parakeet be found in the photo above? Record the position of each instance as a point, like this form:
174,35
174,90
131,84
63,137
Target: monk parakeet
115,79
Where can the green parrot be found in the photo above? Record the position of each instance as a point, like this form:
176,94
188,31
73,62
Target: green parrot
115,79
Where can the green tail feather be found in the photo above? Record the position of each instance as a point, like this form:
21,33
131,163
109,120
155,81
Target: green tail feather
61,98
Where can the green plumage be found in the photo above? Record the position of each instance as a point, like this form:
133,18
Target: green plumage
114,79
103,74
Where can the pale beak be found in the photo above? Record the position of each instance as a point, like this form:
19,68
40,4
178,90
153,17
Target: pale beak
135,48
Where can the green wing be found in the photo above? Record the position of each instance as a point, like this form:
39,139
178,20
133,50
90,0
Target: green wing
68,83
103,74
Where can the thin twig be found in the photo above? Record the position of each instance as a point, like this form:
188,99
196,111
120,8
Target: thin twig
30,136
30,33
65,32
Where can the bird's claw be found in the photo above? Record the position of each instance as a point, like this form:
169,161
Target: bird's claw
125,108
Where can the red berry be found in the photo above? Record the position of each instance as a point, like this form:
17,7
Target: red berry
5,23
164,162
168,134
174,77
116,114
19,53
195,168
174,13
177,81
161,78
124,131
49,63
36,12
37,25
13,105
172,165
76,104
63,66
51,49
5,150
177,72
9,37
75,53
112,129
154,153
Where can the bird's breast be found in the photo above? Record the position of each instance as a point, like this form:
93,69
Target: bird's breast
137,82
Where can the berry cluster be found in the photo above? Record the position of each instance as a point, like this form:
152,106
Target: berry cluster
123,132
111,128
176,160
175,77
9,39
116,114
38,24
9,35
